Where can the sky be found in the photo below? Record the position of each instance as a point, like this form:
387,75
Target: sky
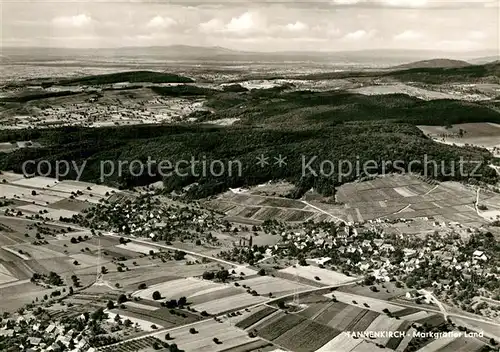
280,25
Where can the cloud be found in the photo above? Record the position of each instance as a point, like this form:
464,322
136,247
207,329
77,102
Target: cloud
214,25
408,35
359,34
297,26
76,21
243,23
159,22
246,23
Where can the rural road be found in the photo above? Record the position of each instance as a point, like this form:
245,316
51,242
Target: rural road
446,314
323,211
432,298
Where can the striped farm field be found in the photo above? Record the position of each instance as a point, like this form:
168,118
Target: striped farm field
363,321
259,314
306,336
327,315
132,345
395,341
350,318
214,294
273,328
315,309
345,318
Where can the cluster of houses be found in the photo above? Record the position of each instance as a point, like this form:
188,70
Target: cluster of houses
146,217
368,250
93,114
40,337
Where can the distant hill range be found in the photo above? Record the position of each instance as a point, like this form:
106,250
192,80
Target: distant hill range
434,63
377,58
485,60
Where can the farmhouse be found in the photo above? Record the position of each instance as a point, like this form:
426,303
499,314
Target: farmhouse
34,341
479,255
50,329
414,294
408,252
387,247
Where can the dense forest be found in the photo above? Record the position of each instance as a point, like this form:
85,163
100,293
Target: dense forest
331,126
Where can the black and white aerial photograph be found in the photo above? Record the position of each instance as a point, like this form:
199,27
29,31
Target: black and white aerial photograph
250,176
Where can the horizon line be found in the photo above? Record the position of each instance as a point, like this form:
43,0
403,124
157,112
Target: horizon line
493,50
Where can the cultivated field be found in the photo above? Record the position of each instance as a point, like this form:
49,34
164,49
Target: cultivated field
311,272
294,332
139,248
228,336
345,343
401,88
221,305
485,135
174,289
238,204
392,196
46,191
374,304
277,286
410,197
144,325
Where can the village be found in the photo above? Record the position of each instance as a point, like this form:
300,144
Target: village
147,247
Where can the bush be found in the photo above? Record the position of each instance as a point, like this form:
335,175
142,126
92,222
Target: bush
122,298
156,295
208,275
